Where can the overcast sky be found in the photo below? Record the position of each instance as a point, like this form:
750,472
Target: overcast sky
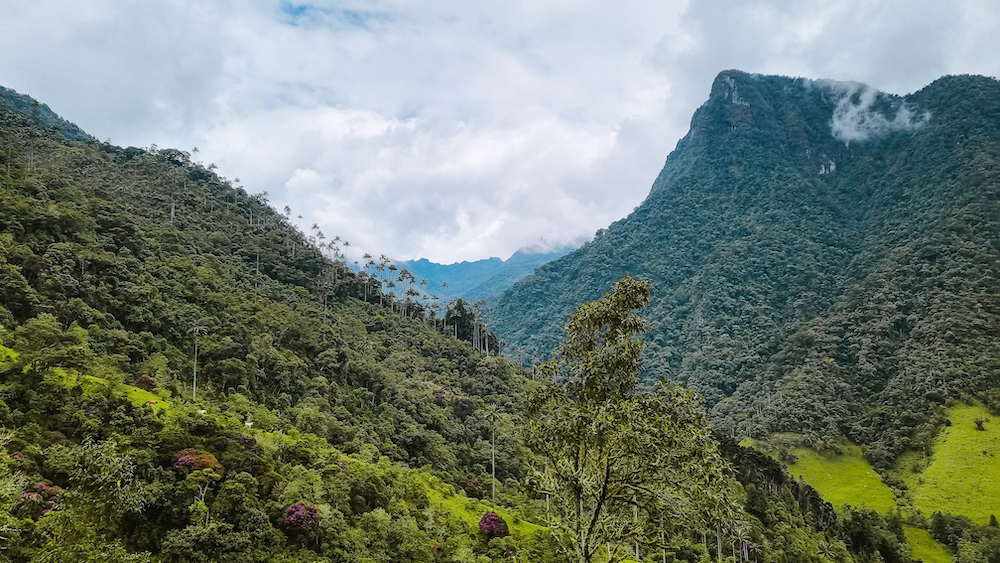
453,129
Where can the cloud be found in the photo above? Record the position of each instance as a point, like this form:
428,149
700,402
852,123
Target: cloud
856,118
447,129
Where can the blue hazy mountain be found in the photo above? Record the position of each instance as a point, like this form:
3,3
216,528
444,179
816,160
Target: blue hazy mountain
480,279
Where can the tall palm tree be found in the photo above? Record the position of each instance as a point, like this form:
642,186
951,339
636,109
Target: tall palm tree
492,413
195,330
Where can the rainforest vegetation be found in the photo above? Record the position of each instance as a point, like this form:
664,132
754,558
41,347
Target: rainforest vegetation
185,375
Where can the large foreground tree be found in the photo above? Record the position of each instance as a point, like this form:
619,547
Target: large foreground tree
623,471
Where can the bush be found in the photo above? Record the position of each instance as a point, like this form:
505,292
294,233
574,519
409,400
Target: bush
145,382
39,501
493,525
472,488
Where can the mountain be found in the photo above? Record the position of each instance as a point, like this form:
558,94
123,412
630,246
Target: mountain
520,264
824,258
30,112
481,279
183,377
460,276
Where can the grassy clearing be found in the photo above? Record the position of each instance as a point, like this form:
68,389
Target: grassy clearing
91,384
962,477
470,510
848,479
925,547
842,479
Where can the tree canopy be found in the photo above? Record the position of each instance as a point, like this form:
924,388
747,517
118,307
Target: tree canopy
622,468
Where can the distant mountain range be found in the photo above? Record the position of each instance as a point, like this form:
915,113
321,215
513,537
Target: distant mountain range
481,279
824,257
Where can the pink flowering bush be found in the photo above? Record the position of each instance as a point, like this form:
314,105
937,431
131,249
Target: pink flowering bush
39,501
471,487
301,520
493,525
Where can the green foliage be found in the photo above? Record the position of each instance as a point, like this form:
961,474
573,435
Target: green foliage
971,543
317,386
308,389
600,351
43,344
619,466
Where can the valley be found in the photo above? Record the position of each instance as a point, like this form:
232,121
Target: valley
786,353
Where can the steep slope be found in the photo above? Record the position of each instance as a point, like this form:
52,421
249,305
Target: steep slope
27,111
818,251
269,386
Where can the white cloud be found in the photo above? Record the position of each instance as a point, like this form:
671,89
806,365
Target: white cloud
855,118
448,129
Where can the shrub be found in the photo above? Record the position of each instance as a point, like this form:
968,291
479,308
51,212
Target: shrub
145,382
39,501
463,407
471,487
493,525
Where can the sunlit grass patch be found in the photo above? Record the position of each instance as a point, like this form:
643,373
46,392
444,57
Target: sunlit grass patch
470,510
963,476
925,547
844,478
91,385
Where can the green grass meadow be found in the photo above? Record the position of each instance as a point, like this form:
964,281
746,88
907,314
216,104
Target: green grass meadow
847,478
963,474
926,548
843,479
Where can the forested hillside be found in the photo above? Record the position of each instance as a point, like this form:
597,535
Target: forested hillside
174,346
824,258
186,376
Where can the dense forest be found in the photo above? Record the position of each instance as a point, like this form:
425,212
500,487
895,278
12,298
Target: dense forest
187,376
825,259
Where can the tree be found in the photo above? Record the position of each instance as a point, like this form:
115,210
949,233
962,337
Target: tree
618,466
493,413
195,330
44,344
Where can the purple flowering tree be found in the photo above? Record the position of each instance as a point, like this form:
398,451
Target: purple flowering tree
493,525
301,520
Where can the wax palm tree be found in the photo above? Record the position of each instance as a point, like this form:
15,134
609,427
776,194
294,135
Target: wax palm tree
492,413
195,330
